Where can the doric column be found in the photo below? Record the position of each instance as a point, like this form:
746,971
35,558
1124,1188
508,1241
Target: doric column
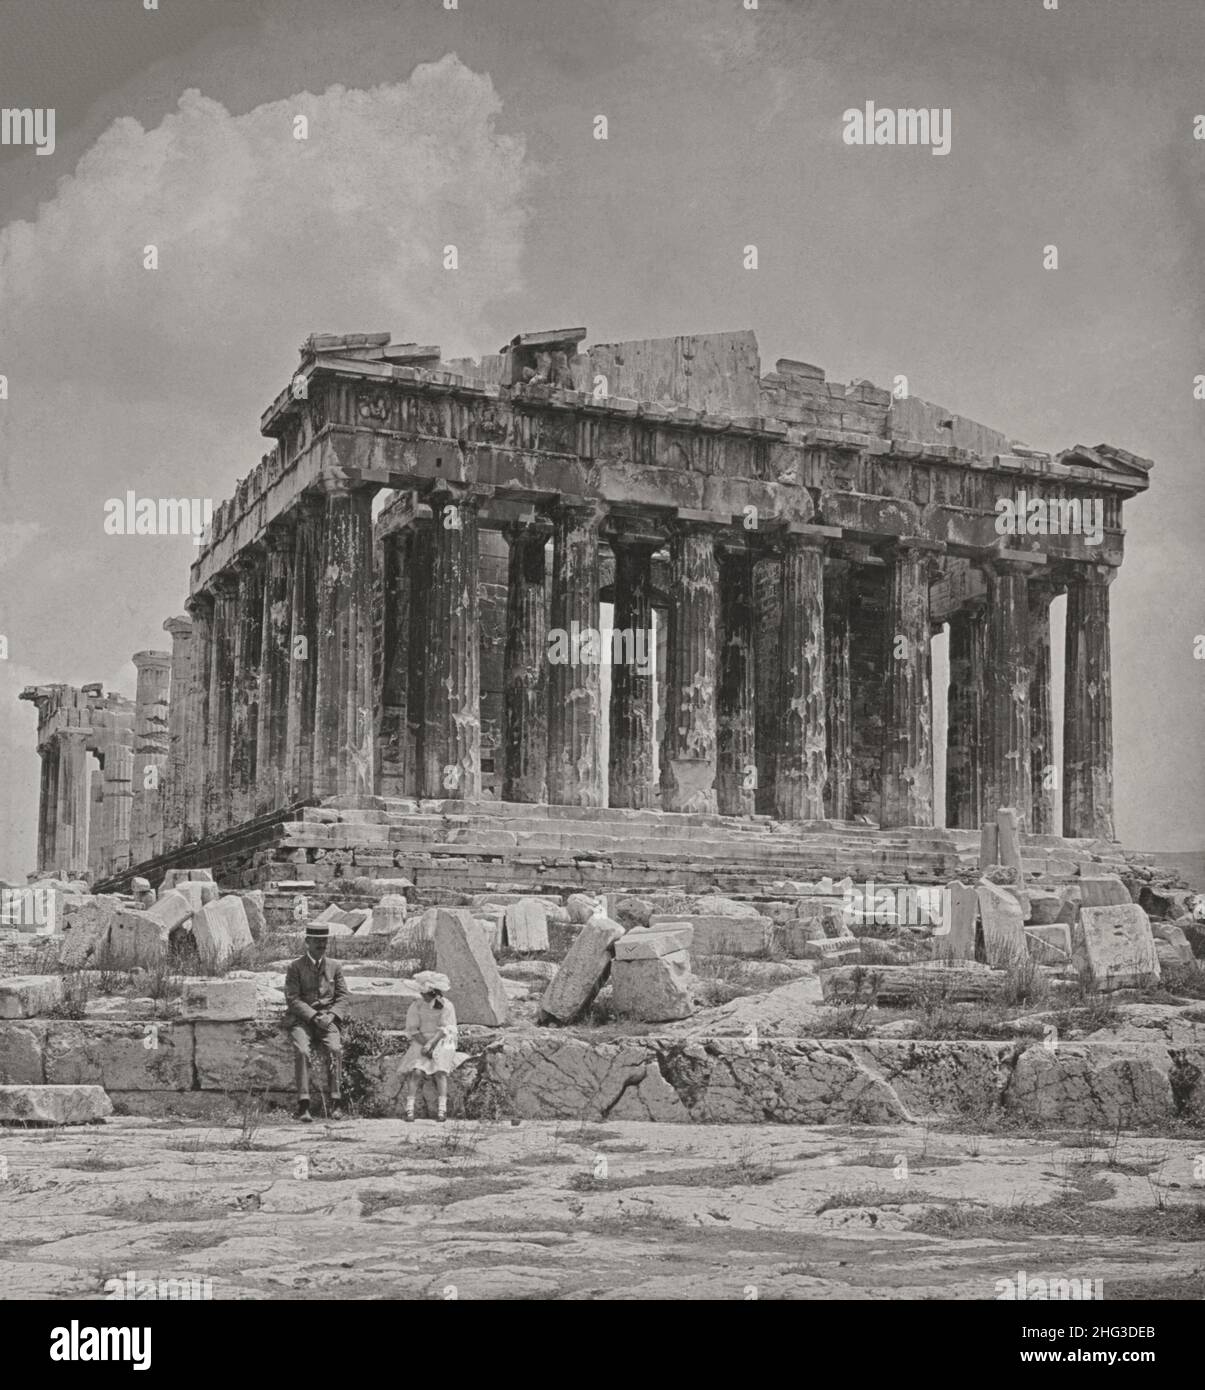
907,790
344,697
801,769
118,758
525,680
71,820
838,579
1088,707
221,677
574,691
175,788
1041,719
393,742
47,812
690,758
1006,776
199,607
308,516
248,651
96,847
451,736
964,720
767,614
736,775
150,754
421,566
275,639
633,729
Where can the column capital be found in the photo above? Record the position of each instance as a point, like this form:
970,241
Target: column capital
149,661
199,606
178,627
224,585
580,510
519,532
1089,574
339,485
1004,561
278,535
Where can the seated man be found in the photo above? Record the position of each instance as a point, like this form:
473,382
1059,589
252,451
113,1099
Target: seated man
316,996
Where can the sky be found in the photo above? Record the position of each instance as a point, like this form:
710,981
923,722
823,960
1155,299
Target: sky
175,128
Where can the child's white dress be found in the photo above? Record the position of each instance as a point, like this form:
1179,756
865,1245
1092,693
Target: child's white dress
422,1017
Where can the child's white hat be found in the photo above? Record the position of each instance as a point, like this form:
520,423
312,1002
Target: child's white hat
432,980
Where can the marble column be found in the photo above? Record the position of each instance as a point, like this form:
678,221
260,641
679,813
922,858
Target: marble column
271,732
308,518
71,804
150,754
1007,775
244,710
525,660
394,747
767,616
95,820
1088,707
964,719
736,775
49,754
175,788
574,690
689,761
906,796
633,729
801,769
838,578
199,607
221,677
1043,773
344,696
118,760
421,566
451,744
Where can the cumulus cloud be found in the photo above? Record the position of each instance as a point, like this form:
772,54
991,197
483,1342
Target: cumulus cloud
123,378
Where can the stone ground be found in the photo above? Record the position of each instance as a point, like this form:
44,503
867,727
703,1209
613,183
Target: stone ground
548,1210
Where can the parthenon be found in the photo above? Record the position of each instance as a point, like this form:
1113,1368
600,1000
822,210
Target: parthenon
369,621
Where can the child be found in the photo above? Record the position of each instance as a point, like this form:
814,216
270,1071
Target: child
431,1028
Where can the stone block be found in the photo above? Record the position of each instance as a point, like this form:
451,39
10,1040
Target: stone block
1003,925
581,908
389,915
656,990
353,918
367,927
799,932
1173,936
526,927
253,905
833,950
583,971
136,938
1044,906
85,930
21,1048
712,905
29,996
642,944
989,840
1104,891
200,875
188,890
222,1000
220,929
492,927
1008,840
724,935
962,911
463,955
384,1001
1049,943
246,1056
1118,946
120,1056
53,1105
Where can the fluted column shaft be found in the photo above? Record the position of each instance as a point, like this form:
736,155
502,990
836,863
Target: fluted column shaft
393,743
736,775
48,792
574,688
175,788
525,661
248,651
964,722
308,517
150,754
71,820
907,765
838,689
271,732
221,678
1007,771
802,763
116,806
344,697
96,797
451,751
690,760
196,718
1041,719
633,726
767,611
1088,707
421,566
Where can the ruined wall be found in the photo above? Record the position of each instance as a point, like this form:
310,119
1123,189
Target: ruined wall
713,372
797,394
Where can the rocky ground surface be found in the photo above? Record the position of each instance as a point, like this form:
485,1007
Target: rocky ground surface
548,1210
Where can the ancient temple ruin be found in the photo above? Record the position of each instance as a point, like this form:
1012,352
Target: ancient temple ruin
366,675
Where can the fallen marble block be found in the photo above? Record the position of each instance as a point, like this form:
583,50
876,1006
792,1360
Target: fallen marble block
53,1105
214,999
29,996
